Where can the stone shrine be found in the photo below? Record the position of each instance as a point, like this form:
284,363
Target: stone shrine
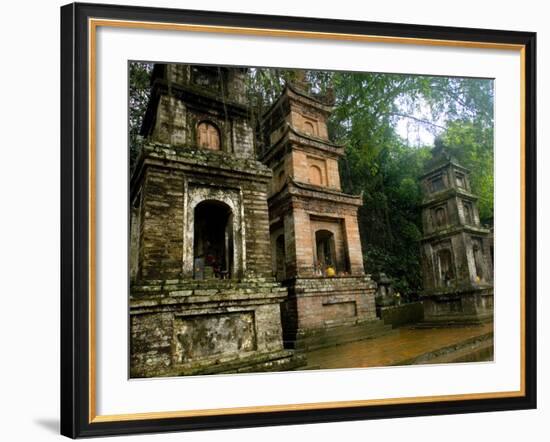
456,249
316,248
203,298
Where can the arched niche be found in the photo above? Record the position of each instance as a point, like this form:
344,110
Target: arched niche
440,217
315,175
208,136
213,242
224,207
446,268
326,250
308,128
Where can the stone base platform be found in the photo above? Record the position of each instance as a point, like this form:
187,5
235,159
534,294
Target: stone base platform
283,360
458,307
180,327
398,315
322,312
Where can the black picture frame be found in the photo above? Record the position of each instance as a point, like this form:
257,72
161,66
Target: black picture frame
75,221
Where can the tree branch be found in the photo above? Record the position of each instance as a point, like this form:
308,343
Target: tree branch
419,120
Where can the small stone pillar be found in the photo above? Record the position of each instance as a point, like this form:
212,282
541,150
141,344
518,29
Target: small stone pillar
385,293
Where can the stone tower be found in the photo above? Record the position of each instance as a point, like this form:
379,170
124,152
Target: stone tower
316,248
456,259
203,299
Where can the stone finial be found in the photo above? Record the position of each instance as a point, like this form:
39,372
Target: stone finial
440,149
330,96
299,81
439,144
440,152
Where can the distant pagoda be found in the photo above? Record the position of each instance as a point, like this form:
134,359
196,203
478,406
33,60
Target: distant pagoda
456,250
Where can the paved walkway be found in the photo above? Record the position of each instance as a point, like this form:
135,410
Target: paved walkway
405,343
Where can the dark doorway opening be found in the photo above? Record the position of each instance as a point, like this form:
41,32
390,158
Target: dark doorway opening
213,243
446,275
326,252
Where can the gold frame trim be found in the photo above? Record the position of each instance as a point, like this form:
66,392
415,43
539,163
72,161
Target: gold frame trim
93,24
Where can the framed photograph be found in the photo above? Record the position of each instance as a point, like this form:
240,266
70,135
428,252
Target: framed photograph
274,220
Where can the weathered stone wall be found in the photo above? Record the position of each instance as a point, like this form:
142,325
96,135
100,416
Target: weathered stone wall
300,242
258,250
473,305
300,116
302,255
297,165
459,264
171,122
243,139
335,226
353,240
184,96
200,336
333,173
299,168
173,183
281,172
448,170
320,302
182,326
398,315
135,234
461,201
453,204
485,261
176,124
161,252
150,342
299,231
461,247
177,73
233,80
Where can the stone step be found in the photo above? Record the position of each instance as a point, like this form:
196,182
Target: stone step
454,322
289,363
206,287
478,348
479,352
282,360
221,286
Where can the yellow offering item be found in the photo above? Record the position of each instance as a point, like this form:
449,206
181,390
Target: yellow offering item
331,271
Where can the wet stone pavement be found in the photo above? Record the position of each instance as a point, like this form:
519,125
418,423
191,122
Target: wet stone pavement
404,344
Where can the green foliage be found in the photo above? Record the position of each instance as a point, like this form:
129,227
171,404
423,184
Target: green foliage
472,145
386,168
139,75
379,162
